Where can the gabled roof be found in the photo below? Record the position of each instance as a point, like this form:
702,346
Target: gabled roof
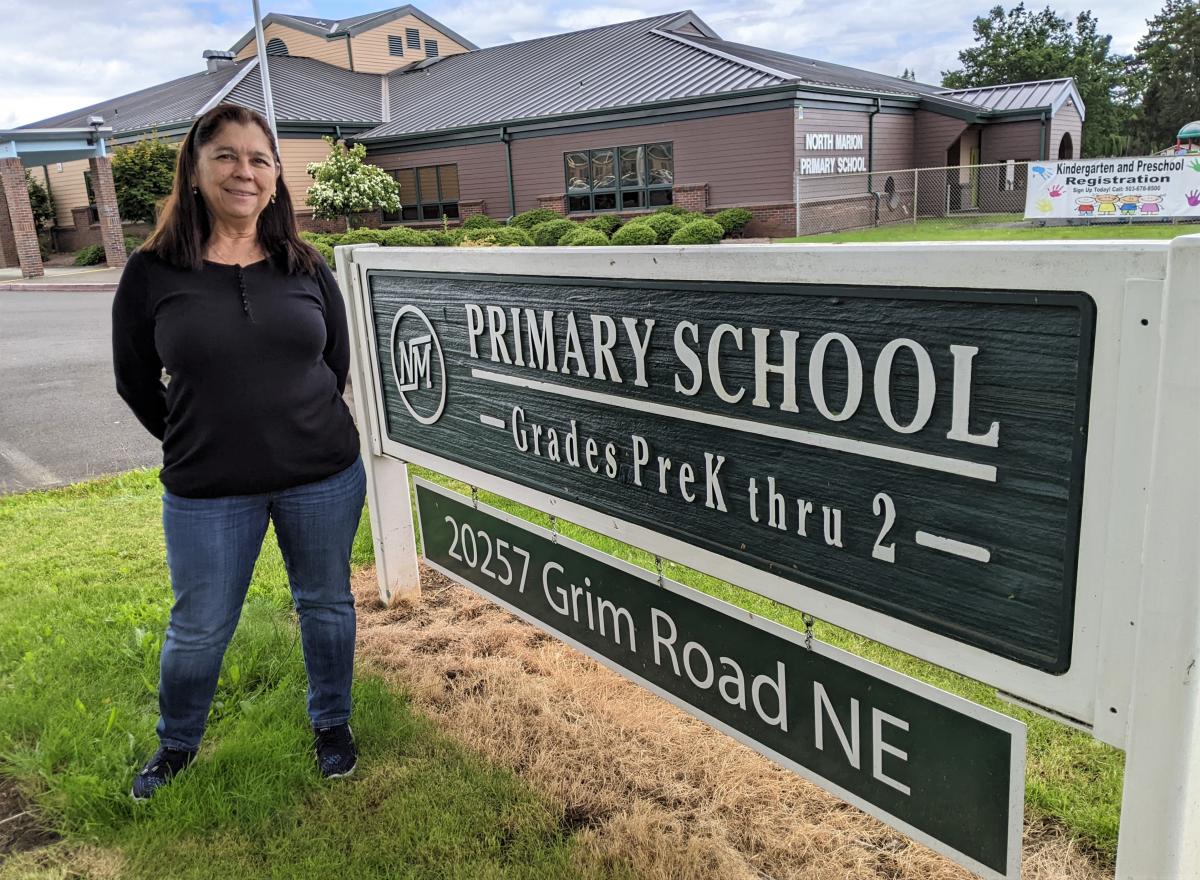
618,65
331,29
1038,95
307,90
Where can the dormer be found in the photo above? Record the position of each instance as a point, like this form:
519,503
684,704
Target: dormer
376,42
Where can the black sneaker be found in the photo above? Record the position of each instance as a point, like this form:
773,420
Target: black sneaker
158,771
336,754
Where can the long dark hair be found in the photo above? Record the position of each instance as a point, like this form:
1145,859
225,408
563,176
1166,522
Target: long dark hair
184,225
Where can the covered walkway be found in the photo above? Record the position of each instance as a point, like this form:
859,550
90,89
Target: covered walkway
30,148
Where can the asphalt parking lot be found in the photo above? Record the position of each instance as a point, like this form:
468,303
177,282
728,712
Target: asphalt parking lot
61,420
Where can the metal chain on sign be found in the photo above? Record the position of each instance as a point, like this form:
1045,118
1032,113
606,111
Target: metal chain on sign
808,629
658,567
475,497
554,528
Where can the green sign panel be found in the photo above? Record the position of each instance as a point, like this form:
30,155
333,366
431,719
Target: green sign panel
943,770
911,451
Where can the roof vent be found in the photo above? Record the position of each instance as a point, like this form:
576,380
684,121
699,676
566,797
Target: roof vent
217,59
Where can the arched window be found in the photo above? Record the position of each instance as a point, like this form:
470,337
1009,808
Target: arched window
276,46
1066,147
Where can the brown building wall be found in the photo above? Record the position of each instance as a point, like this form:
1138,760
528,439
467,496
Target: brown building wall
67,189
370,48
933,134
482,172
893,133
1012,140
301,44
1066,121
295,154
745,158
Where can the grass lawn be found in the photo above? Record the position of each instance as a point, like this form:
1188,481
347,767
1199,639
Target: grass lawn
986,228
84,599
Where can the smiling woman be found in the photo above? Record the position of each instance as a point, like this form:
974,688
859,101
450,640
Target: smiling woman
247,321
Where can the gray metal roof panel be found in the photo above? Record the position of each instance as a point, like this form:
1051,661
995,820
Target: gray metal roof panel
154,107
306,90
595,69
1013,96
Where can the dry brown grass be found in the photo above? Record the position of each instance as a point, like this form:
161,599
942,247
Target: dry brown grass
640,781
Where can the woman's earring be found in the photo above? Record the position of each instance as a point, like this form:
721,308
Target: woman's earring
195,190
272,198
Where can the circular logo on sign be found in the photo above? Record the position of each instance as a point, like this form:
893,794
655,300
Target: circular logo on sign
418,365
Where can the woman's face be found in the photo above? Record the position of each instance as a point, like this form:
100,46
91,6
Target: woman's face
236,172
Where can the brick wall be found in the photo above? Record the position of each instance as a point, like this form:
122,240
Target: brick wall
112,236
306,221
691,197
8,244
557,204
20,217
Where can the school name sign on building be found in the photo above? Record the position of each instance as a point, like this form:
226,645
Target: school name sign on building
1145,188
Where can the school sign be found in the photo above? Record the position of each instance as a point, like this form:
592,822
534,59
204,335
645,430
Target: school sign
972,453
1139,188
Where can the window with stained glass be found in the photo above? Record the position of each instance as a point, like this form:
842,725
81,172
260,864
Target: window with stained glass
619,178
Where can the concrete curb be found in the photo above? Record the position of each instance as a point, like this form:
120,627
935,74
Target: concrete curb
59,287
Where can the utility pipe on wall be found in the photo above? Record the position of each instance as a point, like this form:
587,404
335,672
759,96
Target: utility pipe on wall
506,138
871,154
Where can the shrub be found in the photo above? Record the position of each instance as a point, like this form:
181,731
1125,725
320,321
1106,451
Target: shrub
132,243
345,183
586,237
362,235
91,255
671,209
500,236
733,220
479,221
446,237
314,238
692,217
547,234
143,175
325,250
699,232
664,225
39,202
402,236
635,234
536,217
606,223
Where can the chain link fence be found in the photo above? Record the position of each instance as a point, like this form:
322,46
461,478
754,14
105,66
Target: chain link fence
955,196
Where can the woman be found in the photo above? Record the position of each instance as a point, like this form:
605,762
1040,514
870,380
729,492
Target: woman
248,323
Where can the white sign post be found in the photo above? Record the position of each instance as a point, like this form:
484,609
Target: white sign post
1135,627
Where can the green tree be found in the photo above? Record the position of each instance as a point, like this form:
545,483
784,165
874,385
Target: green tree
143,174
1167,61
39,200
345,184
1020,45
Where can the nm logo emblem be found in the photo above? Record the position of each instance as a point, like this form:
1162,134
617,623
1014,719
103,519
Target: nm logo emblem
418,365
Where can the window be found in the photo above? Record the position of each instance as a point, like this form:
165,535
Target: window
1015,171
427,193
276,46
414,38
431,48
395,45
620,178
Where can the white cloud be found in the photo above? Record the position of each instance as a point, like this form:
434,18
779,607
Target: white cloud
61,56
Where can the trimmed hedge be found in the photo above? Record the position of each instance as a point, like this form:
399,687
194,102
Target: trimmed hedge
699,232
500,236
402,236
633,234
529,219
671,209
606,223
92,255
585,237
479,221
362,235
547,234
664,224
733,220
446,238
325,250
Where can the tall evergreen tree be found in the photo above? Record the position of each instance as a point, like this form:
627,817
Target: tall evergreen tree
1020,45
1167,75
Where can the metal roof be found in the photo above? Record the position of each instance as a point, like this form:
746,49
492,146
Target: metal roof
1038,95
331,28
618,65
306,90
156,107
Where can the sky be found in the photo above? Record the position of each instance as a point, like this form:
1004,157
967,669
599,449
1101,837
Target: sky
61,56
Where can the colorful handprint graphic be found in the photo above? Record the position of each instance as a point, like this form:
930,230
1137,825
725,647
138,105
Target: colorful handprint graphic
1055,191
1045,205
1195,166
1043,173
1193,198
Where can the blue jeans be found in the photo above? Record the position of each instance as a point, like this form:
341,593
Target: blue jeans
212,545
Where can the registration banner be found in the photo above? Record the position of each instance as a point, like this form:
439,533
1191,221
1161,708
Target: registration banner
1142,188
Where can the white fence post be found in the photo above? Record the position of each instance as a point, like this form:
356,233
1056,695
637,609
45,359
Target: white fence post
387,479
1160,810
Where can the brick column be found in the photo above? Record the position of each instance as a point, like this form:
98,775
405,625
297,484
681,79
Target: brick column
555,203
20,217
692,197
111,234
471,208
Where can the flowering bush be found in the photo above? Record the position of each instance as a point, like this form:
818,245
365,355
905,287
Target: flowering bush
345,184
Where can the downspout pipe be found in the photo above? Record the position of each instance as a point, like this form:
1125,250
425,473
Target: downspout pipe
1043,157
871,154
506,139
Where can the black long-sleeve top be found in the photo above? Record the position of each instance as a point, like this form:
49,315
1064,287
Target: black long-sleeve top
257,362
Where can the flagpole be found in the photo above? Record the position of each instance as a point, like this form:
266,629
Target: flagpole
268,101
